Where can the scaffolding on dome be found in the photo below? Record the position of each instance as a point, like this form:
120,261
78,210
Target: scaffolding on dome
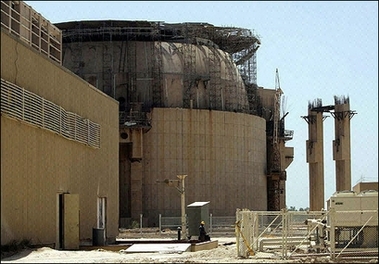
240,43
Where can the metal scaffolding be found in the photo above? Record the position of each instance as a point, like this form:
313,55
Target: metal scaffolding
241,44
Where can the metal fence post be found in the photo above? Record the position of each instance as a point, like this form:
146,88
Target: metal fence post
160,223
140,224
210,223
284,232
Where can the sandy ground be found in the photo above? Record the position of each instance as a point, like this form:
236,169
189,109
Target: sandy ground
226,252
221,254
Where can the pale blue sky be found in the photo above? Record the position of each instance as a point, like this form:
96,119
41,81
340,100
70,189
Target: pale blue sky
321,49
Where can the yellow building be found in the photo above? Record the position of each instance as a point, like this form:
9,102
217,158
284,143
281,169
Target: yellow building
59,140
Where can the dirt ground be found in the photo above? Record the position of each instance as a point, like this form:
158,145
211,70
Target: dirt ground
226,252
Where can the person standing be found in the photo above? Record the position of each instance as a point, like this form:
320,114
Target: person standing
202,233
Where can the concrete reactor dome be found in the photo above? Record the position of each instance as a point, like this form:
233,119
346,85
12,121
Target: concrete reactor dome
158,64
185,108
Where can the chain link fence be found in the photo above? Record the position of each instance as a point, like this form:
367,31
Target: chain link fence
299,234
348,236
218,225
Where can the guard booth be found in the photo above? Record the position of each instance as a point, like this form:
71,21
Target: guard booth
197,212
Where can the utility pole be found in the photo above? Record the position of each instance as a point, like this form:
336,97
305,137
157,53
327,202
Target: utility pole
183,204
181,190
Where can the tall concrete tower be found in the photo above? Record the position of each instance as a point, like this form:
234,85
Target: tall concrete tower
341,147
341,144
315,154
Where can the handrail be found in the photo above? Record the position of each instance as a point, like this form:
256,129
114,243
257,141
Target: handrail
24,22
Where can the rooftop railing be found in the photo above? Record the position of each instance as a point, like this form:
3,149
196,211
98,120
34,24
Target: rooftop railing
29,26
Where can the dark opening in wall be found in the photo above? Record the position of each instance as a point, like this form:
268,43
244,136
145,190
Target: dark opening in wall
121,100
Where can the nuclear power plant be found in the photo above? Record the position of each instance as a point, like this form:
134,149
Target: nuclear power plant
189,104
114,122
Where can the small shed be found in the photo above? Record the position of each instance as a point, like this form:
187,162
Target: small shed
197,212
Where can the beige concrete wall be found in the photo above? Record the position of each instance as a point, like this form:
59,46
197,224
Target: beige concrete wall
223,154
37,164
365,186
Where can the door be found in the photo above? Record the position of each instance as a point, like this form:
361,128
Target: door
70,221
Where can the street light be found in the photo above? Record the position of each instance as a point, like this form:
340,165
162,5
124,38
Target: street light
183,204
181,190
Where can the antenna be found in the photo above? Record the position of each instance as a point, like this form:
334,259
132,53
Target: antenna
277,83
278,93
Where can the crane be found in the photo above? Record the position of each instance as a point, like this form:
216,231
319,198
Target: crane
275,171
278,94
